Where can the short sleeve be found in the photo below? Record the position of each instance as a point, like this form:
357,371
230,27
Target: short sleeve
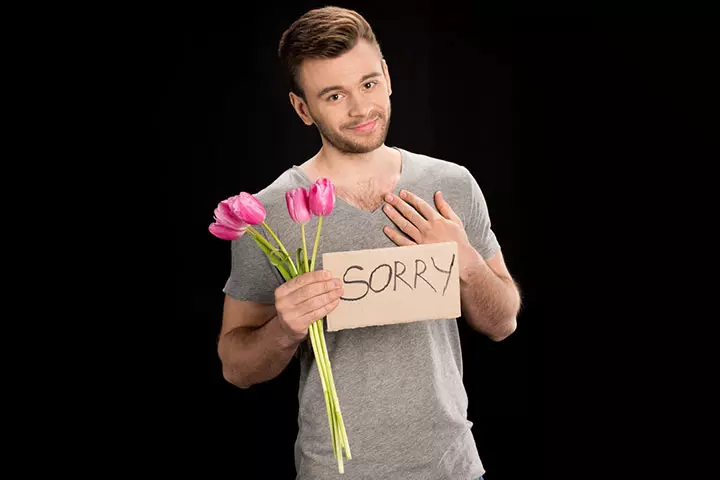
252,276
477,222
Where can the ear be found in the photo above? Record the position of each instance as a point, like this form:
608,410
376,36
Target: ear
387,76
301,109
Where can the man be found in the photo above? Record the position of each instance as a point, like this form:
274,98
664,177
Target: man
400,386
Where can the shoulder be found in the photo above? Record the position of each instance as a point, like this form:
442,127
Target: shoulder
427,166
272,196
459,186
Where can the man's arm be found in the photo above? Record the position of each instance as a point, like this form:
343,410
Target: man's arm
253,348
490,299
258,340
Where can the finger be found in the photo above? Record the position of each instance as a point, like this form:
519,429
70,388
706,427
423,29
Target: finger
300,281
309,291
407,211
311,307
318,313
403,223
397,237
420,205
445,209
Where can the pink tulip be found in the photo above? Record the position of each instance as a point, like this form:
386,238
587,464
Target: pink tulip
224,232
248,209
225,216
227,226
298,205
322,197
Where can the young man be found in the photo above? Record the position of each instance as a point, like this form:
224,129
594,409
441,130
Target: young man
400,386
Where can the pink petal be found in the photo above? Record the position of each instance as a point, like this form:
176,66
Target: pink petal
322,197
248,208
225,233
224,215
298,205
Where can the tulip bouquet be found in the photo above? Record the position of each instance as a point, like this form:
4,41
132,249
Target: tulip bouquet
236,216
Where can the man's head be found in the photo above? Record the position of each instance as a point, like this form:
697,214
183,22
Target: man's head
338,78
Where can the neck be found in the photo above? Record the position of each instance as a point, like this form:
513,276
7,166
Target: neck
344,168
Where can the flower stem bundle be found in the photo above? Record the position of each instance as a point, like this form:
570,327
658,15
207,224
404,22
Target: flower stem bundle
236,216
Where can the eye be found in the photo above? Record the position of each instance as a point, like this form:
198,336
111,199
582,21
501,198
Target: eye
372,84
334,97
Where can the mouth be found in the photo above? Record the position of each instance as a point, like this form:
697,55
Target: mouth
366,127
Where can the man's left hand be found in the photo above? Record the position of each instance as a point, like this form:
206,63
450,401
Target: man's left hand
421,223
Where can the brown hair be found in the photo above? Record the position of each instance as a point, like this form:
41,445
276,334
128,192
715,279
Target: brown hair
326,32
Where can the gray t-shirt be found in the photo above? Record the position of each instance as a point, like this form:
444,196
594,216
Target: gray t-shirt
400,386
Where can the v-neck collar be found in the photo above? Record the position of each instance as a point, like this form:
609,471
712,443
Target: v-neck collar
361,211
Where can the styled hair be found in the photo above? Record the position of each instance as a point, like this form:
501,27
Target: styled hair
326,32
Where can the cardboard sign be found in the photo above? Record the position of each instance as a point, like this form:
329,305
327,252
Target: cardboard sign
395,285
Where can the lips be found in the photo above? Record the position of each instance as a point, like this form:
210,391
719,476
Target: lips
367,126
364,124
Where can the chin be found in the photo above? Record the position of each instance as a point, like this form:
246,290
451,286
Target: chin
352,145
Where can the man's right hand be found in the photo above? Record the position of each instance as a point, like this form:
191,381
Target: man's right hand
304,299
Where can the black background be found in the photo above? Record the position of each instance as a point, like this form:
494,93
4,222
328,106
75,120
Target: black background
579,131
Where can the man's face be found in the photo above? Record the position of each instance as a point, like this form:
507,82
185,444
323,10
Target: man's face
348,98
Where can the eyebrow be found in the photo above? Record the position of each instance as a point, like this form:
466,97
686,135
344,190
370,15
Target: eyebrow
327,90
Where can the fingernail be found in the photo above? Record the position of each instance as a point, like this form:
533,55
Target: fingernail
403,194
389,197
337,282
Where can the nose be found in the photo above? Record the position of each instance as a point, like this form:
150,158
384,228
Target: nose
360,106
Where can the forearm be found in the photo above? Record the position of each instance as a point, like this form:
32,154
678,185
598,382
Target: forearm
251,356
489,302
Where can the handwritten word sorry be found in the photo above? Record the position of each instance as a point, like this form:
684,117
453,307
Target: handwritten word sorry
391,274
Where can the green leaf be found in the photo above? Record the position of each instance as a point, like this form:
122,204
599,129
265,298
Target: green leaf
286,275
264,247
275,257
278,258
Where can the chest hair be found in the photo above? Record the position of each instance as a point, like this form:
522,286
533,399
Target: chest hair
365,195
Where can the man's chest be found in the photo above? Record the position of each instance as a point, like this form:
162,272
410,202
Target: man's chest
366,196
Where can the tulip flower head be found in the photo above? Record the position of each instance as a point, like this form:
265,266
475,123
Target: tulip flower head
227,225
322,197
298,205
248,208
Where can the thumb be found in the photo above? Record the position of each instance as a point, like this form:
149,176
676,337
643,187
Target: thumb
445,209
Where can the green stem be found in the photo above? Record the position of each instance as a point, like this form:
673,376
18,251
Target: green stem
315,340
323,362
336,401
268,249
341,433
302,230
256,235
282,247
317,239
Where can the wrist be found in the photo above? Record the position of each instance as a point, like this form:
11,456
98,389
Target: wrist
286,339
